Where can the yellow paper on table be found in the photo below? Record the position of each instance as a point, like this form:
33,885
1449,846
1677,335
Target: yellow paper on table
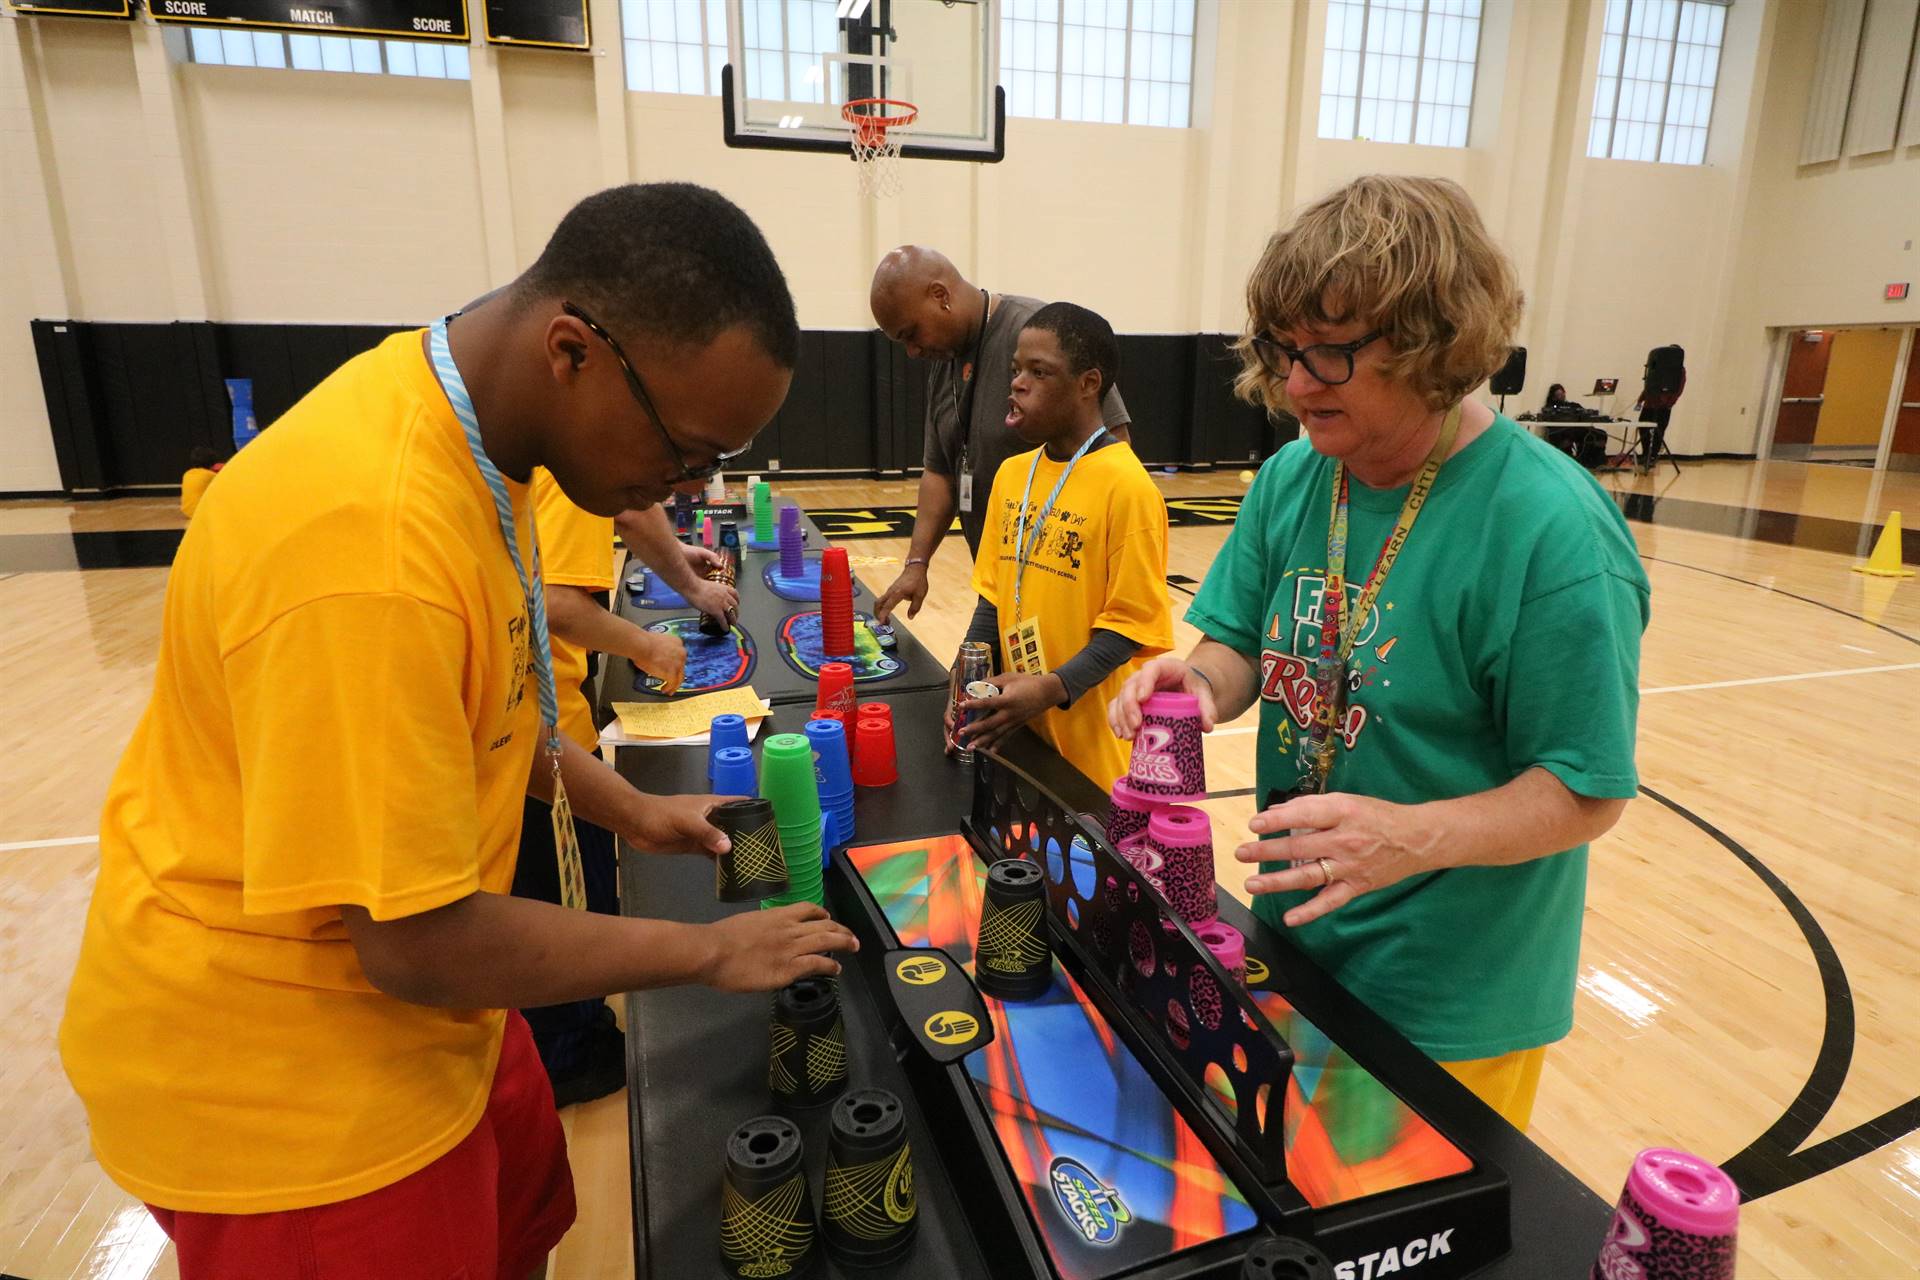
686,717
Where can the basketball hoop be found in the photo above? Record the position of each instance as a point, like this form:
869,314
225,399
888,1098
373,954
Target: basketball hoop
877,123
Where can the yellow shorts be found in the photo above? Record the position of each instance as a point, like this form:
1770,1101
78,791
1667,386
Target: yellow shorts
1507,1083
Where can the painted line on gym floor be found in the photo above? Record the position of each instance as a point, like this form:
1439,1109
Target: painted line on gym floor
48,844
1805,675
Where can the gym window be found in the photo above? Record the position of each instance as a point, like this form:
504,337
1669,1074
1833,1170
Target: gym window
1400,71
222,47
1659,61
1107,61
679,46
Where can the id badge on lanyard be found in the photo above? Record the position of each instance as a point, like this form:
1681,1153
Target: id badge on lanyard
1026,652
566,842
966,486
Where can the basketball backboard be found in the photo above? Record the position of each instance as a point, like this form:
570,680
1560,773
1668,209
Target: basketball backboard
792,65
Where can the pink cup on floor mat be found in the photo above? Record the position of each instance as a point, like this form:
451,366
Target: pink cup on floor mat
1184,839
1127,815
1167,763
1229,947
1677,1219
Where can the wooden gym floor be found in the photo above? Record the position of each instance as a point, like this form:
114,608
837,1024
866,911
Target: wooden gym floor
1749,985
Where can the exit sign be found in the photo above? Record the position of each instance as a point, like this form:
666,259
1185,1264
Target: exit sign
1895,292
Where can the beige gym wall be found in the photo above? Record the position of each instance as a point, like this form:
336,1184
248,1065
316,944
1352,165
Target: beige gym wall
139,188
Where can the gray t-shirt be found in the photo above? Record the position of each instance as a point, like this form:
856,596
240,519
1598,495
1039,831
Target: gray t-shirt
988,442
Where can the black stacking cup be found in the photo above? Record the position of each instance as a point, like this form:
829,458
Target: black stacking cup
1285,1259
868,1210
1011,958
766,1210
754,867
808,1065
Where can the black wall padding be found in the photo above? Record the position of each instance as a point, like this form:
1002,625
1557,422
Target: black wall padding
128,402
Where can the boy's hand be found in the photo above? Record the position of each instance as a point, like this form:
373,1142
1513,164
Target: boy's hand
677,824
946,724
1020,699
662,657
766,950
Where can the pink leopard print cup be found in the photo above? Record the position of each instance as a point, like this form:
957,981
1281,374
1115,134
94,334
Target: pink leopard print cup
1677,1219
1167,763
1183,838
1128,813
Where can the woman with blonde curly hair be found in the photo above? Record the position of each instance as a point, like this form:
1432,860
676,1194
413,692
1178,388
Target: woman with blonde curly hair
1440,617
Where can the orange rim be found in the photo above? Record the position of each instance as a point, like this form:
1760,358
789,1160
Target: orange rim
871,129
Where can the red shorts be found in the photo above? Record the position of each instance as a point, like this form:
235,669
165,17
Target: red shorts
490,1209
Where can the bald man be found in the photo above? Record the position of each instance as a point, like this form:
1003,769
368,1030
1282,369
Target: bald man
921,301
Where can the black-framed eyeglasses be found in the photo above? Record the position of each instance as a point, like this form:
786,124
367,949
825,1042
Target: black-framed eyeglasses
639,390
1330,363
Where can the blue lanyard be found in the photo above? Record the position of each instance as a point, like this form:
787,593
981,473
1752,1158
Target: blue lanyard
1023,548
456,388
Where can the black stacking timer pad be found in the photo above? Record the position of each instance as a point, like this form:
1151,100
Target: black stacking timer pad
937,1002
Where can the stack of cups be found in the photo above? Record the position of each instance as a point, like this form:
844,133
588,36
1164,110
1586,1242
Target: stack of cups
833,771
807,1065
1128,814
763,530
725,731
836,604
1678,1219
1183,837
793,563
786,761
869,1207
732,772
874,762
753,865
1228,945
834,700
717,489
682,512
1167,763
766,1210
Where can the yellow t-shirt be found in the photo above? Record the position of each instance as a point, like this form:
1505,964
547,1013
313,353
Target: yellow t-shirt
1101,562
193,487
576,550
342,713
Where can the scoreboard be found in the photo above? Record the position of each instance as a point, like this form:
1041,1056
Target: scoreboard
399,19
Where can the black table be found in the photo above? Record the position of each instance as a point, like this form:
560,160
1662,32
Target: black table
761,615
697,1059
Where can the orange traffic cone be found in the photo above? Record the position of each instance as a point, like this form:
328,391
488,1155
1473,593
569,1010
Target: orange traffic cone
1885,560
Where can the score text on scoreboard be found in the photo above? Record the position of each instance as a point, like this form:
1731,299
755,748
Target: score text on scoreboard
400,19
1897,292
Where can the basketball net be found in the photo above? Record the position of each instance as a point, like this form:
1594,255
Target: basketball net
877,126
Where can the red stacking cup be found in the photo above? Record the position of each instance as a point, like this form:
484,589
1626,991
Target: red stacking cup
875,711
1183,838
836,605
874,764
1127,815
836,692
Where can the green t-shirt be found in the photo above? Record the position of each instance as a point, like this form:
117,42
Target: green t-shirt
1507,636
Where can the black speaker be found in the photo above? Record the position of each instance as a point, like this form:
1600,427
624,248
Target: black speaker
1666,370
1512,375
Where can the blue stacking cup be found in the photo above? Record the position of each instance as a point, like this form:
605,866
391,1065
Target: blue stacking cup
832,768
725,731
733,772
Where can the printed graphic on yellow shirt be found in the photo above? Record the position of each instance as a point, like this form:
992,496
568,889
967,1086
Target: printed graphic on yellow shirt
1098,562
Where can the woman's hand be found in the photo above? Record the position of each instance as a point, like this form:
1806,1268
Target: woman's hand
1343,845
1020,699
1162,673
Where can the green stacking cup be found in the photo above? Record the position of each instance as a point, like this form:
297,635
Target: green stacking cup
763,522
787,780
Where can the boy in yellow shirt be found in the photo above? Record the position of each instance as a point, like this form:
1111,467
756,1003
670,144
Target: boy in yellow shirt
579,1043
1072,570
288,1022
